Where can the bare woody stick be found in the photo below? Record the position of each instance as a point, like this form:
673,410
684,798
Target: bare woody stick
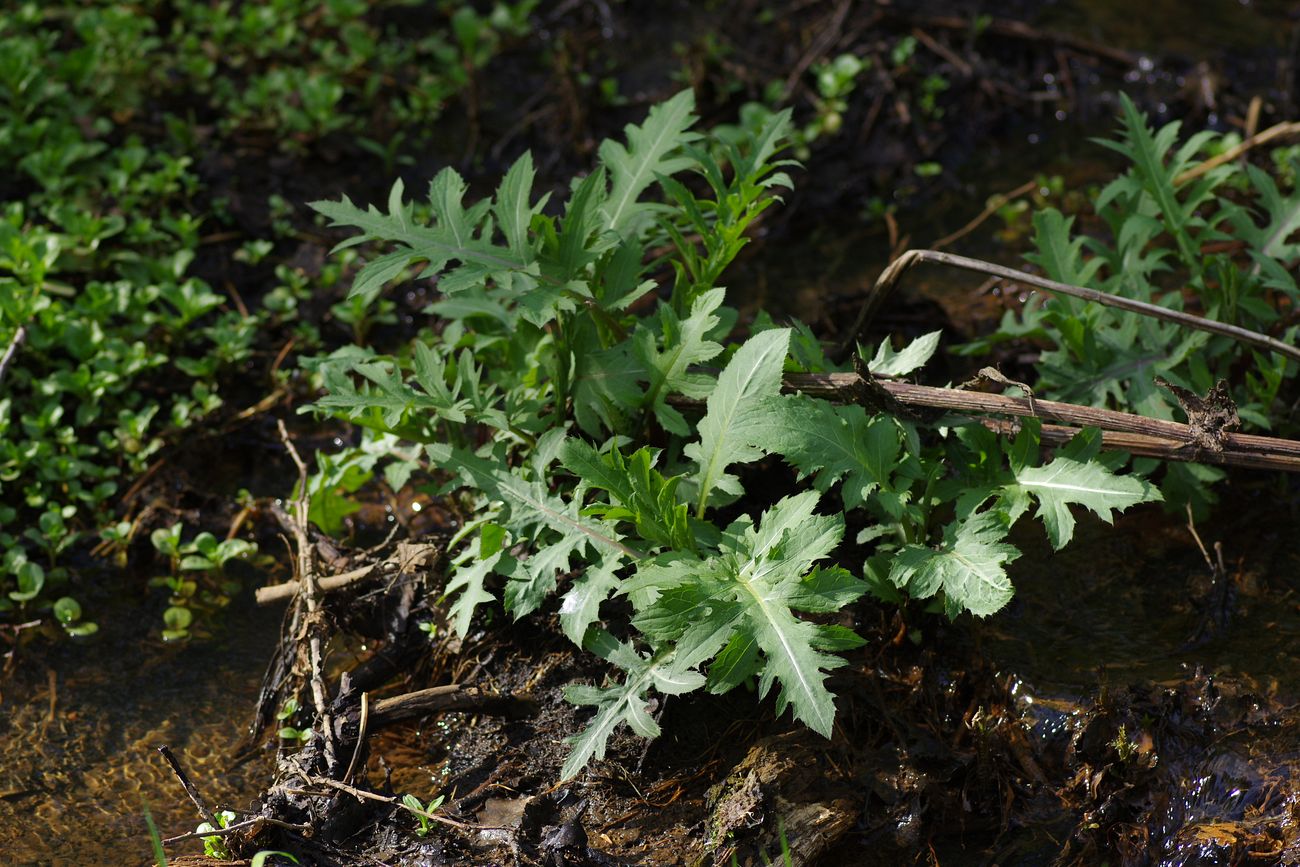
287,590
201,805
312,594
889,278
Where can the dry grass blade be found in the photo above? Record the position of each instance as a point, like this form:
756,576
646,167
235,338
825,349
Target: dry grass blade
1281,130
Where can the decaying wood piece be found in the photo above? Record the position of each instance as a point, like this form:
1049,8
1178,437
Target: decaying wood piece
444,699
780,797
408,557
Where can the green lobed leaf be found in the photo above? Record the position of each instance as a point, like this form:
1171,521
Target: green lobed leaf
581,605
730,431
467,580
1067,480
649,153
643,495
623,702
887,362
969,567
528,502
832,442
740,605
685,343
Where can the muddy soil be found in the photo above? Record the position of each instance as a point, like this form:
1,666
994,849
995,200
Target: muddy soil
1129,706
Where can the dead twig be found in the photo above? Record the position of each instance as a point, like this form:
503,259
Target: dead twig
1122,431
361,736
16,341
362,794
1281,130
306,569
442,699
890,277
255,822
201,805
1020,30
1145,446
289,589
990,209
942,51
820,45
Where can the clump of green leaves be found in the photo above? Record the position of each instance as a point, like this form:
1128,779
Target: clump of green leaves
421,811
215,846
113,348
1220,243
600,433
301,69
196,575
68,612
286,715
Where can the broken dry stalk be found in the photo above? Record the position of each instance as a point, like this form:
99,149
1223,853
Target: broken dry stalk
889,278
276,592
1281,130
1123,431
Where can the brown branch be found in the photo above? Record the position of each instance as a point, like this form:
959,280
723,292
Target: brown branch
989,210
1123,431
821,44
255,822
384,799
890,277
1150,447
943,52
197,799
1020,30
442,699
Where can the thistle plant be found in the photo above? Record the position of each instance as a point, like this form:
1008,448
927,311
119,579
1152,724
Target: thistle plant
600,425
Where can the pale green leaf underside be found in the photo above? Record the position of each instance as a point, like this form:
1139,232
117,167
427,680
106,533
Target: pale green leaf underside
1065,481
887,362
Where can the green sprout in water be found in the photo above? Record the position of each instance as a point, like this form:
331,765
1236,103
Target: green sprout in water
68,612
421,811
288,732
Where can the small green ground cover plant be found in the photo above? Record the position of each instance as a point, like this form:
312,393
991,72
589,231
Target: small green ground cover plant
196,576
595,410
111,346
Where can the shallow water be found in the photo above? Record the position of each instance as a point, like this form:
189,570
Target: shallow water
78,765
